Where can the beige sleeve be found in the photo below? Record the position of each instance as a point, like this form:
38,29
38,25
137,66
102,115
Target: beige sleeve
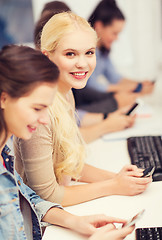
37,160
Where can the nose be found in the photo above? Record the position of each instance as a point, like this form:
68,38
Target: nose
43,118
81,62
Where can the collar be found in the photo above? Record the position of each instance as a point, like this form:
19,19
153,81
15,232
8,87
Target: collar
8,159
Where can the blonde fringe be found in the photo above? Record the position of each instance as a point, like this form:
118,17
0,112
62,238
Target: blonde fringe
55,28
70,145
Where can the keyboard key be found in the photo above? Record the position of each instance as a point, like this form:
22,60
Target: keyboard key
154,233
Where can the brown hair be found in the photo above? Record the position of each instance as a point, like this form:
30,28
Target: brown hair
48,11
55,7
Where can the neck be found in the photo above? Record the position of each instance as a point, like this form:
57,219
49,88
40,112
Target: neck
63,88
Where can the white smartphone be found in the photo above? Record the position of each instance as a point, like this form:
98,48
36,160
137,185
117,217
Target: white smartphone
133,220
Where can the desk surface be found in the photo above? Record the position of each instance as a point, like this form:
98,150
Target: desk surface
112,154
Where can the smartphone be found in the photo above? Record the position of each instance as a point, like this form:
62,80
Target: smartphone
132,109
133,220
148,172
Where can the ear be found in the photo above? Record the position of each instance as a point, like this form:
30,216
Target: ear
3,99
45,53
98,26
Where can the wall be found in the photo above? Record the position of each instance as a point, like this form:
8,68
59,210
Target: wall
144,33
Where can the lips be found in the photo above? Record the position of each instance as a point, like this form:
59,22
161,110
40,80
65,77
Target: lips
79,75
31,128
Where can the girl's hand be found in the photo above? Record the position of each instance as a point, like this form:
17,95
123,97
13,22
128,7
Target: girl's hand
129,182
88,225
124,99
118,121
110,232
147,87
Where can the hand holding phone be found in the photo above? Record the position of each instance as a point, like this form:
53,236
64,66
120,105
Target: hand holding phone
132,109
133,220
148,172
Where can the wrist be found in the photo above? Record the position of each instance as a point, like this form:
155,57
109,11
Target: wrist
70,221
106,126
115,186
108,188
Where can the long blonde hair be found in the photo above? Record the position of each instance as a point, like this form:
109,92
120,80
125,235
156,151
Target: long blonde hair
70,144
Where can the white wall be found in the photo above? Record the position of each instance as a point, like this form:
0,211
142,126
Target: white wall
137,52
81,7
144,33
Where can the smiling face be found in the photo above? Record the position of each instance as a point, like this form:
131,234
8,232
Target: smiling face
23,115
75,58
109,33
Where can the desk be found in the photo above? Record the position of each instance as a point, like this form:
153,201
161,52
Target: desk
113,155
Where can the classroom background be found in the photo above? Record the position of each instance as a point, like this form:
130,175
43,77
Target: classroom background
138,51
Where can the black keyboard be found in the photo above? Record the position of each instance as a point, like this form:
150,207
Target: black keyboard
146,151
153,233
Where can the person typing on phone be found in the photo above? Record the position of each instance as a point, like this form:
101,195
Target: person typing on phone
108,21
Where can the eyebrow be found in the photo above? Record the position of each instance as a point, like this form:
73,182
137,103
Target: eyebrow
70,49
41,105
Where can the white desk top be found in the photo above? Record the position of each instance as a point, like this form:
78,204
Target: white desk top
112,154
118,206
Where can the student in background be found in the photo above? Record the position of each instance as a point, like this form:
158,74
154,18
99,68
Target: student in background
58,148
22,211
108,21
49,9
95,116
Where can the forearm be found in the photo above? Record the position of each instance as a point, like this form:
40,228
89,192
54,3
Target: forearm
126,182
125,84
86,192
60,217
91,118
100,183
127,80
114,88
92,174
117,86
95,131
